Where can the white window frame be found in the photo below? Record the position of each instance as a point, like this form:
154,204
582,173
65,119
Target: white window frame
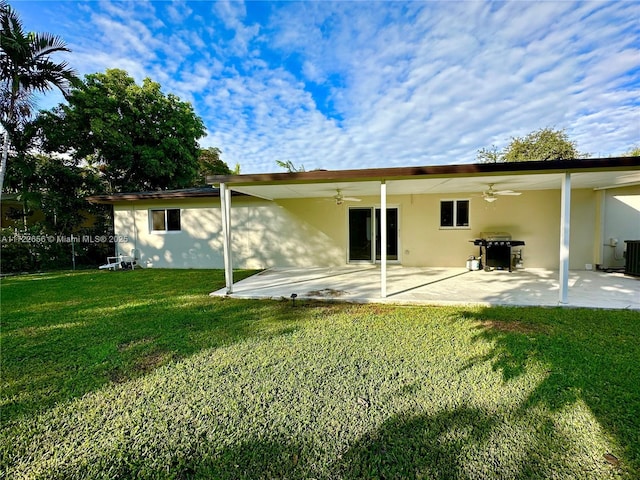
166,221
455,214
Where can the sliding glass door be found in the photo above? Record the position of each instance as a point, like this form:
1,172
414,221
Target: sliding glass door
363,245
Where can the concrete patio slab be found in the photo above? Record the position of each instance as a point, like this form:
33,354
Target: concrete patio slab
442,286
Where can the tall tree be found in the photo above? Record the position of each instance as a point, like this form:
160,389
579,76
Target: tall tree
25,68
542,144
62,189
138,137
210,163
21,174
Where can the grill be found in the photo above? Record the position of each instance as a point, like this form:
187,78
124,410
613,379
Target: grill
497,249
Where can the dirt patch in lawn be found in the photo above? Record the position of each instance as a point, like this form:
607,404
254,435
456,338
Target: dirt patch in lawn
152,361
512,327
143,364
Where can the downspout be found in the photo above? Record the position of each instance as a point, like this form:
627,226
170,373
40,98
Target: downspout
113,219
135,233
565,228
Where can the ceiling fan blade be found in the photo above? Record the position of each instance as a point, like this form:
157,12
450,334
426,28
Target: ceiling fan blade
491,195
340,198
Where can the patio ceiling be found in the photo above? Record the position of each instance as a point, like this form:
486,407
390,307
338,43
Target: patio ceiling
438,185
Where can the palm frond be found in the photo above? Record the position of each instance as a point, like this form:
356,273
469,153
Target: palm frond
44,44
46,75
26,67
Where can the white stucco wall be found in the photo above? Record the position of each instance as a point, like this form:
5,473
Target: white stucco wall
192,247
264,234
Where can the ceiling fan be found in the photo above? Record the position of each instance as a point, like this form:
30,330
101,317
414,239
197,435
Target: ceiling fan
340,198
491,195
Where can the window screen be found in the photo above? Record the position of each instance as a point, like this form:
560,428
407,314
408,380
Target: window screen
158,220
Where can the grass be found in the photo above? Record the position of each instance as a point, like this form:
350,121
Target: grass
143,375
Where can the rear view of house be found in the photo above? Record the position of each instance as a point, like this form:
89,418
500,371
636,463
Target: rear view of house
564,215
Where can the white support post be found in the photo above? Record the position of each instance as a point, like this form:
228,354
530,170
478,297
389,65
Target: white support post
230,254
383,239
565,228
225,211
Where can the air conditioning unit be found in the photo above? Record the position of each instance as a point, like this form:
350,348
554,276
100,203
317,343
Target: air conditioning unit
632,258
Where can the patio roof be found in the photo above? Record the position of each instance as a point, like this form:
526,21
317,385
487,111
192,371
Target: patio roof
473,178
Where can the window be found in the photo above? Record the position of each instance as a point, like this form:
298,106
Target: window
167,220
454,213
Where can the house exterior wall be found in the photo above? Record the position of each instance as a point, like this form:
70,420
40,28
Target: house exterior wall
196,245
533,217
264,234
583,227
314,232
621,221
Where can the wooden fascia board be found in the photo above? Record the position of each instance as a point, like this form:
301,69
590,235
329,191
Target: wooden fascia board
437,171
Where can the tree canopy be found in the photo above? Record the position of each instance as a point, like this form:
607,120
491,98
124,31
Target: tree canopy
210,163
543,144
135,135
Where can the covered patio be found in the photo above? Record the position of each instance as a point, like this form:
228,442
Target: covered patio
442,286
546,216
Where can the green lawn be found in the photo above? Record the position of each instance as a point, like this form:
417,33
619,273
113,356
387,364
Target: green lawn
143,375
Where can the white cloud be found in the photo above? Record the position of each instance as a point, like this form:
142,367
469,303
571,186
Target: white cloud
178,12
415,92
344,85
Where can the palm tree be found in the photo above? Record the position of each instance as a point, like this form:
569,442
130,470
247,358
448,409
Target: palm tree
26,68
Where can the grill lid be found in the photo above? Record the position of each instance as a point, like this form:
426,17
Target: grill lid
495,236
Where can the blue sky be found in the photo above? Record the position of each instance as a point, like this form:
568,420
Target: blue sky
362,84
